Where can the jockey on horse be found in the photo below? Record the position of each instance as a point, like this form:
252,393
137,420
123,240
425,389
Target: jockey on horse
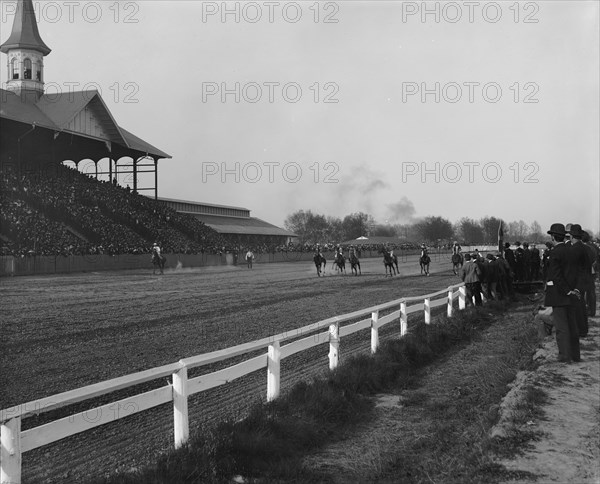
388,261
354,262
157,259
339,260
249,258
424,260
319,261
457,258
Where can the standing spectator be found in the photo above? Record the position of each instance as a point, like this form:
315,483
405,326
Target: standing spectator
509,255
583,264
560,292
492,276
506,277
545,259
534,263
526,262
471,276
519,272
590,290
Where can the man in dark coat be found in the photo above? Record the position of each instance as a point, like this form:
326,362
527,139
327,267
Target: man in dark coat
546,259
580,258
492,276
526,262
535,263
509,255
519,270
590,291
471,276
561,295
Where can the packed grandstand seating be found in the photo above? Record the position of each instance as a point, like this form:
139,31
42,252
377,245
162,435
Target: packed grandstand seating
61,211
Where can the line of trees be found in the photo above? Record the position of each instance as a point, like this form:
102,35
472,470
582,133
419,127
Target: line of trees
314,228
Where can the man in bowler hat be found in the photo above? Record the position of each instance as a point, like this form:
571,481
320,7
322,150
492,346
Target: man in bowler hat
561,295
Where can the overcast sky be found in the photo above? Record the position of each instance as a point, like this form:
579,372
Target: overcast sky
469,109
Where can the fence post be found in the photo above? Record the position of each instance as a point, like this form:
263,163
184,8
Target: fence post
450,308
10,457
180,406
462,297
427,309
403,319
273,371
334,346
374,331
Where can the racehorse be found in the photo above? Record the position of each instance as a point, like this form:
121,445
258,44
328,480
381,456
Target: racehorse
424,261
249,259
457,262
319,261
340,262
159,261
389,261
355,264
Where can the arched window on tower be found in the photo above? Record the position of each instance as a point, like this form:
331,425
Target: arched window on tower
27,70
14,70
38,71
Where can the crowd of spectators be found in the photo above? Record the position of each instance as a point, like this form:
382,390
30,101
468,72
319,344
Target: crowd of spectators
63,212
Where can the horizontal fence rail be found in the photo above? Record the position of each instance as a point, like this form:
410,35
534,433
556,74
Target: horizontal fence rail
15,441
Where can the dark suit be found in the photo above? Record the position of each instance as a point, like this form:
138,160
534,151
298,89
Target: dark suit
559,282
535,264
590,290
471,276
580,260
509,255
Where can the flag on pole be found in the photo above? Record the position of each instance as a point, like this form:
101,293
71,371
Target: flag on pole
501,239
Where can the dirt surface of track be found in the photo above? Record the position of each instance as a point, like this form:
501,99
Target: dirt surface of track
61,333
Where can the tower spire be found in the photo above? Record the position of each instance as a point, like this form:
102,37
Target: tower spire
25,50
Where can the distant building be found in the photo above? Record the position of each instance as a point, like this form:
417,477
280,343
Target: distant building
234,223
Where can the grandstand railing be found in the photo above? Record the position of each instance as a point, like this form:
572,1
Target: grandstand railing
332,330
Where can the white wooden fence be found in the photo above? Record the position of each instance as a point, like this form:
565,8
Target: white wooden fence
15,441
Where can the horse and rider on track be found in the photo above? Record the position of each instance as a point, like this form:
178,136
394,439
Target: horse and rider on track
320,263
158,260
354,262
424,260
249,258
457,258
339,260
390,261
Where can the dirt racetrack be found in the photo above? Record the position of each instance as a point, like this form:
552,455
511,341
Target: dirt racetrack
64,332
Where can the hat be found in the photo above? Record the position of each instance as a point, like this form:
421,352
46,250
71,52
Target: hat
576,231
506,245
558,229
490,256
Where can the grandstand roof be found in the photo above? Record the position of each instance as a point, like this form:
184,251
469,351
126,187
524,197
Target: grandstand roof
202,204
63,113
242,225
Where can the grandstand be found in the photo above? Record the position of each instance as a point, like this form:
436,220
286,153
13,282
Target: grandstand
48,209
